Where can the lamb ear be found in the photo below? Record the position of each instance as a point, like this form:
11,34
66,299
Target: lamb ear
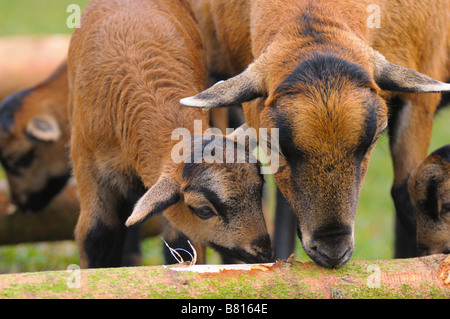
44,128
242,88
163,194
392,77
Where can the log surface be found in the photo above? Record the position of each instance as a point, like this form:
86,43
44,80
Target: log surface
426,277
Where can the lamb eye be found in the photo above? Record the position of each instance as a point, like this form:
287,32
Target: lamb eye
204,212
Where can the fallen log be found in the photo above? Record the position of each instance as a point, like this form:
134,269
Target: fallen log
54,223
426,277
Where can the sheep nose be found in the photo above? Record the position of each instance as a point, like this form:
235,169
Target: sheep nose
263,247
332,250
331,257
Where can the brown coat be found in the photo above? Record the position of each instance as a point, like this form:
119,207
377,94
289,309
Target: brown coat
329,79
129,64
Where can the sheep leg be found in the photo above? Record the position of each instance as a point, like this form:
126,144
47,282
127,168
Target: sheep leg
132,255
410,128
100,234
285,228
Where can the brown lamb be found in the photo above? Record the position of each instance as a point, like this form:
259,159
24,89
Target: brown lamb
129,65
34,137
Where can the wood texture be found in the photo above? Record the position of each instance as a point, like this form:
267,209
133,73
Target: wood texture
427,277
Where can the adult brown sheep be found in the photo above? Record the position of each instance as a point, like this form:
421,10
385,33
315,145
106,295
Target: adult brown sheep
332,78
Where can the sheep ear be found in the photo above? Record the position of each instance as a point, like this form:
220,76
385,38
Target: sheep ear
242,88
392,77
44,128
162,195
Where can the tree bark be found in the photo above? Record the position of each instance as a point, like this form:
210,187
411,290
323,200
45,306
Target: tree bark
55,222
426,277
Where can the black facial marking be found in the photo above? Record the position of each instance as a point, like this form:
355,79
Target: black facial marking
367,137
324,71
22,162
189,169
38,200
221,207
10,169
163,205
9,106
241,254
422,249
26,159
286,140
263,241
429,205
444,153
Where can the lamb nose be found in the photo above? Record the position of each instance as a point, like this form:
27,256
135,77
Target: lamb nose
263,246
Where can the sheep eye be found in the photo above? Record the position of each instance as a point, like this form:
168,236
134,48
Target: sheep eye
204,212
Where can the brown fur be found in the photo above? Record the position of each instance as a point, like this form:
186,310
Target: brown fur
33,186
129,64
429,189
48,101
46,105
326,114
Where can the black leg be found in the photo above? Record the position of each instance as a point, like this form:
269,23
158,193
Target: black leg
285,225
132,255
405,223
103,246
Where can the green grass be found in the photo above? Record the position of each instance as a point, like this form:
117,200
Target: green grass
18,17
374,220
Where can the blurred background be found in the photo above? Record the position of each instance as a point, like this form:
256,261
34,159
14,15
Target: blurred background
374,221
